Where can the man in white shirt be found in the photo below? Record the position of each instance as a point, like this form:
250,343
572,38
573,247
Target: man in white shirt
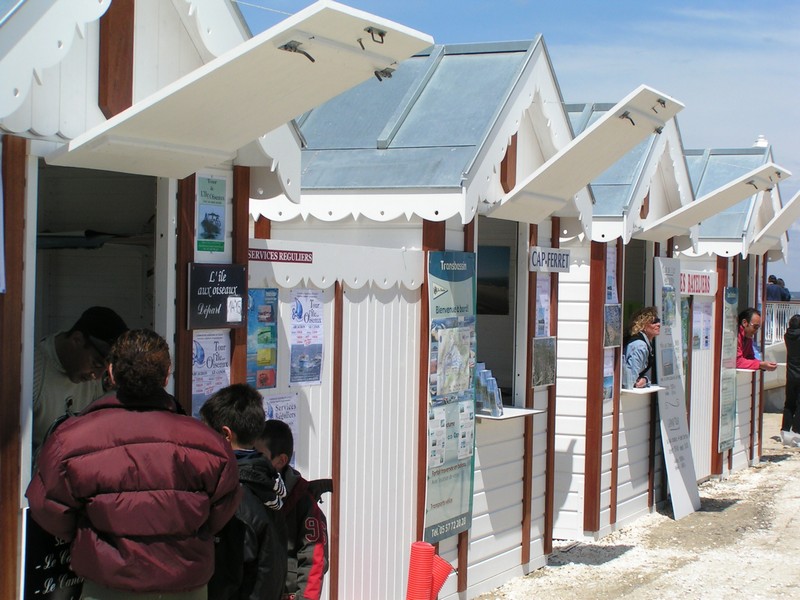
68,368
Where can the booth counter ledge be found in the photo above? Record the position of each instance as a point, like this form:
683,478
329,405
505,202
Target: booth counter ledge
509,412
642,391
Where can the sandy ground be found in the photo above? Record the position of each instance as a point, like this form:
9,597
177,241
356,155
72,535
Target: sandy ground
743,543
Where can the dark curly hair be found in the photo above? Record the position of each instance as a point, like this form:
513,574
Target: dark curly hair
140,361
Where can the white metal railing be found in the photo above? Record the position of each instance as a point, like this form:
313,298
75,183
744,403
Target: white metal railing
775,320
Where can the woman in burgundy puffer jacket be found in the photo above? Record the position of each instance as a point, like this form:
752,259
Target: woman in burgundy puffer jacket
137,488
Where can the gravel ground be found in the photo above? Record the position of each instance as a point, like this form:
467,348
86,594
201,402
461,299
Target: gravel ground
742,543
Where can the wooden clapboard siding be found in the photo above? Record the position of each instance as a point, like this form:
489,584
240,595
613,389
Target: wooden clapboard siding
569,442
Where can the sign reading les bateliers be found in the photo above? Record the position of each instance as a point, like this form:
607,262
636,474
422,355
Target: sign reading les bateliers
216,296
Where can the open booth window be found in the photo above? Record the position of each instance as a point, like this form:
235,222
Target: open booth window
494,263
496,300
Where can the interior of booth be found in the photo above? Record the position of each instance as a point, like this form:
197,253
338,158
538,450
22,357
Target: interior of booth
95,246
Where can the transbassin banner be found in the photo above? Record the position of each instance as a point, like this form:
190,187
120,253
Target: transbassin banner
451,394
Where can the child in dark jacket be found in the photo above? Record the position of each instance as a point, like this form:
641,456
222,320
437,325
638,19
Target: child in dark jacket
250,559
305,521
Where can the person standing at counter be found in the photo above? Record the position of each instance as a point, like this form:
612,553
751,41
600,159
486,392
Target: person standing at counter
138,490
749,324
790,426
68,368
640,354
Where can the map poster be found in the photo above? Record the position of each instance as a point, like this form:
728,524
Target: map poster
306,337
678,459
451,394
262,337
727,376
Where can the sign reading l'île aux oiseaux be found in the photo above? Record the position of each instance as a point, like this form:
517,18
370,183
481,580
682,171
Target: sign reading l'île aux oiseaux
216,296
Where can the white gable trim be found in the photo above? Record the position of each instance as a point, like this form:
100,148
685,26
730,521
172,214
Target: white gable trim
44,44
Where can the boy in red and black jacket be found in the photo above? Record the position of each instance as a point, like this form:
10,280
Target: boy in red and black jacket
305,521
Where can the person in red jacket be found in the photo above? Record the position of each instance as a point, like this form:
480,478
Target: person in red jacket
749,324
138,489
305,521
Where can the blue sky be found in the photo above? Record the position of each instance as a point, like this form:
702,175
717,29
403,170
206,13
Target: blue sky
734,64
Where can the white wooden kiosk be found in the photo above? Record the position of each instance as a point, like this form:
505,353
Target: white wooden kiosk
151,92
738,195
435,163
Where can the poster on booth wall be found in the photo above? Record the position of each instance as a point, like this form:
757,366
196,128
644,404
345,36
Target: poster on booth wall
611,274
727,376
678,458
608,373
306,338
283,408
262,337
543,358
542,305
451,394
211,203
211,364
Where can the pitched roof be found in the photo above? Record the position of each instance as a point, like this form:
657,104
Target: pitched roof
420,127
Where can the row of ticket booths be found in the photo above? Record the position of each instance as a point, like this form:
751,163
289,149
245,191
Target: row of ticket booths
413,212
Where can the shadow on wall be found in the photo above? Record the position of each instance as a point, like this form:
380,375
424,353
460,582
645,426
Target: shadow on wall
565,472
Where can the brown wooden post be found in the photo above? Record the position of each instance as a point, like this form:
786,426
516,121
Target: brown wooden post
462,546
263,228
615,414
13,205
336,438
550,451
527,439
184,256
508,166
115,81
240,240
761,404
594,389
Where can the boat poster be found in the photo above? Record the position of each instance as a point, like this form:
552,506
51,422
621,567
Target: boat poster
306,337
211,201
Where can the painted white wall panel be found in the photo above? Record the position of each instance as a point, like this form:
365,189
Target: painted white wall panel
572,350
380,394
573,367
501,475
572,310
